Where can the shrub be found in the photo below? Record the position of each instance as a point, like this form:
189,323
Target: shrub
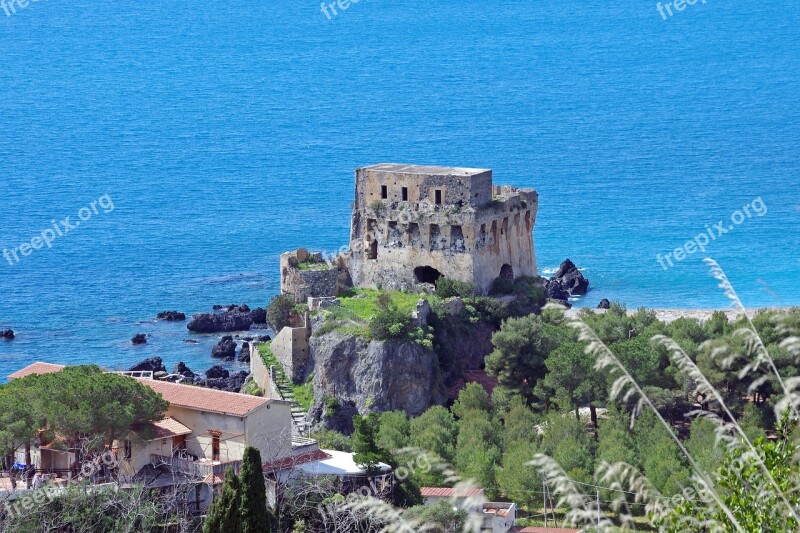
501,286
389,321
279,310
448,287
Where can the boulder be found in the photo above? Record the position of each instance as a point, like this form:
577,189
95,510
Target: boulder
183,370
153,364
454,305
225,349
160,374
555,291
139,338
259,315
216,372
221,322
571,279
421,313
232,383
244,353
171,316
604,304
7,335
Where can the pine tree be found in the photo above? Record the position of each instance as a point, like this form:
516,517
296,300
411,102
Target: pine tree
255,515
224,515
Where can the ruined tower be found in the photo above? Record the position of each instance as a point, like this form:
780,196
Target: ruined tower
412,224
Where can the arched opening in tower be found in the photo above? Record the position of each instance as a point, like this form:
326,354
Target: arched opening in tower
426,274
507,272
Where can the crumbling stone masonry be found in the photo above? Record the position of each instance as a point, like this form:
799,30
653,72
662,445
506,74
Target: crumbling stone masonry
305,275
412,224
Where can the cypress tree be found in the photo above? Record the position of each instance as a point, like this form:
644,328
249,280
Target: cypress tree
224,515
255,516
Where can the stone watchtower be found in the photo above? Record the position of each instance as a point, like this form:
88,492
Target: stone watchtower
412,224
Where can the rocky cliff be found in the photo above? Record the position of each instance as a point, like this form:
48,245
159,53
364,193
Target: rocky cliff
373,375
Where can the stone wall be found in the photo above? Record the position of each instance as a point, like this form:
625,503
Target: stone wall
290,347
261,374
476,233
323,281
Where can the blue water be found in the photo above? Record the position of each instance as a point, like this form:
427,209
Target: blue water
226,133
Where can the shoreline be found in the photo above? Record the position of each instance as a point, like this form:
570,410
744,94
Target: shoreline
670,315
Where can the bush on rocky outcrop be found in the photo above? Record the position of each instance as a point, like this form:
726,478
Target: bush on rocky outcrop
279,310
448,287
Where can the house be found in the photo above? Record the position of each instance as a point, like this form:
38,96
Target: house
433,495
204,432
498,517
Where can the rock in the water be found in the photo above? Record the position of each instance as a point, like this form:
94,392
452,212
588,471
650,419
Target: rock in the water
231,383
153,364
171,316
244,353
571,279
604,304
555,291
183,370
7,335
259,315
244,308
263,338
216,372
222,322
226,349
139,338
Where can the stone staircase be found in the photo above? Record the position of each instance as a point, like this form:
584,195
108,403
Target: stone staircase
284,388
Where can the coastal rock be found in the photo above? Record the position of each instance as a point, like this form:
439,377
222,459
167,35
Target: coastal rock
421,313
244,353
232,383
225,349
183,370
7,335
555,291
263,338
259,315
139,338
216,372
571,279
171,316
244,308
376,376
222,322
153,364
604,304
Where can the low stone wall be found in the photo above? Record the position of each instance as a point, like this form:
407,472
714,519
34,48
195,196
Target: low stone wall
261,374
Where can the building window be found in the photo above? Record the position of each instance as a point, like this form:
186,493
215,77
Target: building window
405,194
384,192
215,444
437,195
128,450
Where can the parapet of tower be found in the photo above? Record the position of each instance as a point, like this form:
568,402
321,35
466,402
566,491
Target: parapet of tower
412,224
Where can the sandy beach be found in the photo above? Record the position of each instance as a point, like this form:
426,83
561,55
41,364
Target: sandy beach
670,315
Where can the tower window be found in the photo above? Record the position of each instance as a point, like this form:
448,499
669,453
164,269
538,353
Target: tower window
405,194
384,192
438,196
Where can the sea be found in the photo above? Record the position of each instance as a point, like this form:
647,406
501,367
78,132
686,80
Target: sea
190,143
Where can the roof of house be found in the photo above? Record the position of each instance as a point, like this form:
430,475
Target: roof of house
163,429
338,464
189,396
36,368
449,492
203,399
296,460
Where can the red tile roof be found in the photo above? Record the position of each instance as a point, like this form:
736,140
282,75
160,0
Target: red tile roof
189,396
163,429
203,399
448,492
296,460
36,368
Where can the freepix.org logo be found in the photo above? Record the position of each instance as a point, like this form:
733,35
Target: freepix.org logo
62,228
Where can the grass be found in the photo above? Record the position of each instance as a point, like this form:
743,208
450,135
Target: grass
304,395
252,389
313,265
365,308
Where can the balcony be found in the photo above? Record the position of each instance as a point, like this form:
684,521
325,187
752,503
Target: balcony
201,469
